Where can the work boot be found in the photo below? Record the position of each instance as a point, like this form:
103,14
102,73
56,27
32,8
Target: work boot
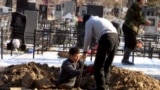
125,60
127,63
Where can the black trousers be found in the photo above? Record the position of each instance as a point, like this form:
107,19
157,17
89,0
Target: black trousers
107,48
129,37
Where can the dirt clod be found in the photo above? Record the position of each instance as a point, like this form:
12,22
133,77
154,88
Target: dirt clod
35,75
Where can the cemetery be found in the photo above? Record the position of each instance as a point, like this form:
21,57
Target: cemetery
26,29
39,33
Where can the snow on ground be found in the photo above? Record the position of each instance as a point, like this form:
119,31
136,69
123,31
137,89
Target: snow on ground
146,65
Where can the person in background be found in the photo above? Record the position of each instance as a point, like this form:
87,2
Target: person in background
133,20
71,69
106,37
80,19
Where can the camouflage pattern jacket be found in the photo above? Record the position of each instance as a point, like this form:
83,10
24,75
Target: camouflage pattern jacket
134,17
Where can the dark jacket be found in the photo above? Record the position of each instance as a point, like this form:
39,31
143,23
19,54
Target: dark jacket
69,72
134,17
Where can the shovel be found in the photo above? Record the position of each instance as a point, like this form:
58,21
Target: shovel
80,76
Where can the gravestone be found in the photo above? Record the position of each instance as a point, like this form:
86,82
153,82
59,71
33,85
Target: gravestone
69,7
43,12
152,28
58,12
18,24
151,15
21,5
31,25
96,10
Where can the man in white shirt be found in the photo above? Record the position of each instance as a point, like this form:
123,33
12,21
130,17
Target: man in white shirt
107,39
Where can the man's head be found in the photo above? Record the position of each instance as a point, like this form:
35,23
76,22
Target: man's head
86,17
141,2
74,54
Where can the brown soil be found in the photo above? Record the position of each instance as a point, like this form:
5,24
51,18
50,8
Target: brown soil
35,75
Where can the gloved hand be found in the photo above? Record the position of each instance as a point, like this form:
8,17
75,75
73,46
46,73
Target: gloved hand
90,69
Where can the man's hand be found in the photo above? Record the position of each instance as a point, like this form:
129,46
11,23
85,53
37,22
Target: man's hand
90,69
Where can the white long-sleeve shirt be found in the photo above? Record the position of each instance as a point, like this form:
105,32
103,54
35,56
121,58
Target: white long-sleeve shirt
95,27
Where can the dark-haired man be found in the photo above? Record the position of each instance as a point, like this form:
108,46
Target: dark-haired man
71,70
107,39
133,20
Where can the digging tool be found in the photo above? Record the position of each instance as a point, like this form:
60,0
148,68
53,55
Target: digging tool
80,76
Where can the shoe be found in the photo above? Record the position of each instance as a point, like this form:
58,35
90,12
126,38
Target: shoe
127,63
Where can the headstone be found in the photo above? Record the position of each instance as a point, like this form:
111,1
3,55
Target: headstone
151,15
158,10
58,12
150,11
18,24
31,25
21,5
5,9
43,12
152,28
31,6
95,10
91,9
82,11
9,3
69,7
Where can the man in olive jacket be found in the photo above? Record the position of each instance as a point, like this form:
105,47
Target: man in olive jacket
133,20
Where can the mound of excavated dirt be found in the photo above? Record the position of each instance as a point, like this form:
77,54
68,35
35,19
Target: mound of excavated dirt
35,75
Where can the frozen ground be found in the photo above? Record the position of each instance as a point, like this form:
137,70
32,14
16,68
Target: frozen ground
146,65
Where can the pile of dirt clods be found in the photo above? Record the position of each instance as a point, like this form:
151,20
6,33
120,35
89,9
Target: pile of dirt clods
35,75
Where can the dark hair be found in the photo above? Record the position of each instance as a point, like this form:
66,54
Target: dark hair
86,17
138,0
73,51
